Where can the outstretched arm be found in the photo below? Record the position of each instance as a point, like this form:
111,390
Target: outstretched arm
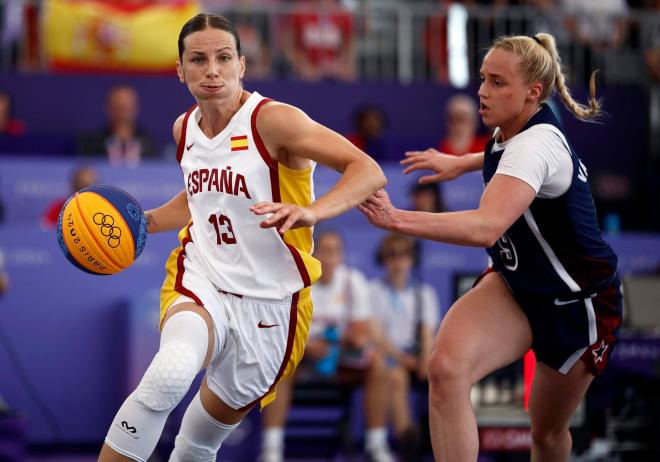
446,167
290,133
504,200
174,214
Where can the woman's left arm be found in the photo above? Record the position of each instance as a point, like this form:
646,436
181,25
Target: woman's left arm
503,201
288,131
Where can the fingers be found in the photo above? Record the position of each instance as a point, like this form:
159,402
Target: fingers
365,210
419,165
263,208
293,218
284,216
411,156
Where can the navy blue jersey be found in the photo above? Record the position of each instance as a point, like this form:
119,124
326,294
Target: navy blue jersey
555,247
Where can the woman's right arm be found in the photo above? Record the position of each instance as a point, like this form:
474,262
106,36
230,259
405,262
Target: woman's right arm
174,214
445,166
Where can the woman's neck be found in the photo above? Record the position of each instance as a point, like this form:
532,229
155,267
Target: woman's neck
216,117
511,129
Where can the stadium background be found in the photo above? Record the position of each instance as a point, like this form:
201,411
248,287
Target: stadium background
73,345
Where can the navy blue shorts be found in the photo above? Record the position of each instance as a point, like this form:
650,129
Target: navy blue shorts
565,330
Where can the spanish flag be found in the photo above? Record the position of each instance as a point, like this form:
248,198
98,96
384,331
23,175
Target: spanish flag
112,36
239,143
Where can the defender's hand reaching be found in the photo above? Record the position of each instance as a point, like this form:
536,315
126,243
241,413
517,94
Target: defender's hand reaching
379,210
446,167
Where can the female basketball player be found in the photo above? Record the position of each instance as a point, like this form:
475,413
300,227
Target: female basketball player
236,296
552,285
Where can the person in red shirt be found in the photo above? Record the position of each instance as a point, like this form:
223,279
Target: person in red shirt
320,41
8,124
462,123
81,177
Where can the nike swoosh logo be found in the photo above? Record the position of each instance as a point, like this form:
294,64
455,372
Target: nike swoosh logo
190,146
261,325
564,302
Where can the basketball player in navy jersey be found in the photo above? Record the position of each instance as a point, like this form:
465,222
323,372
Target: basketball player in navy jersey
552,285
235,300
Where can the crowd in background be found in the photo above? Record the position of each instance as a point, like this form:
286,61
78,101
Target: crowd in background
347,40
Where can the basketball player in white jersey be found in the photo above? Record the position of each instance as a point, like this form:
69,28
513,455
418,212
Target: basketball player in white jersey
236,296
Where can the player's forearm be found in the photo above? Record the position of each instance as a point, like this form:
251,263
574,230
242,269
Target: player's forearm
468,228
174,214
473,162
360,179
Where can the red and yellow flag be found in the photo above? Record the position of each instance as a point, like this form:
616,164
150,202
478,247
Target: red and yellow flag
239,143
98,35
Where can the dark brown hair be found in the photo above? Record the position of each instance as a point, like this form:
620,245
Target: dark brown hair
204,21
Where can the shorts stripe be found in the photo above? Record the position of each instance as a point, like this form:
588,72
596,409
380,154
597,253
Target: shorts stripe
570,362
178,286
293,321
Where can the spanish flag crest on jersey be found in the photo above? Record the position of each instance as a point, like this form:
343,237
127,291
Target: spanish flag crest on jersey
103,35
239,143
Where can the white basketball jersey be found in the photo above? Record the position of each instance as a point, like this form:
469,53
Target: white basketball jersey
223,177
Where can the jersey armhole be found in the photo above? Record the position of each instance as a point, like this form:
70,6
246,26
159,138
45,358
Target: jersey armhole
182,138
261,147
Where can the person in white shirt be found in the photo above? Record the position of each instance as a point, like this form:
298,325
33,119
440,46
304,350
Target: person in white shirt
343,322
407,312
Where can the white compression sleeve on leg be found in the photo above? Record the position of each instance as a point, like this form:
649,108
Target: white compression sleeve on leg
200,435
136,428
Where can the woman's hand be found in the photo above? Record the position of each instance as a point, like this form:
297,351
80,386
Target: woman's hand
284,216
379,210
446,167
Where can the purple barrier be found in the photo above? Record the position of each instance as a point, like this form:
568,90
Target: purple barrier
73,104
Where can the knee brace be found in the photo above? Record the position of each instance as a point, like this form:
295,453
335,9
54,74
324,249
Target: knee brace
200,435
168,377
138,424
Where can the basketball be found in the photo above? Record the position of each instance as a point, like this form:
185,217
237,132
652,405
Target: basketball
101,229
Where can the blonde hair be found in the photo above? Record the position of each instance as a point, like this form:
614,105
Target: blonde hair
540,62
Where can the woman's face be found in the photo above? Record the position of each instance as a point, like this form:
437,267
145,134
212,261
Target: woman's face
504,92
330,251
210,65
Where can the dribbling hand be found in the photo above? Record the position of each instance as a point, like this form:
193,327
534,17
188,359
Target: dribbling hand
379,210
446,167
284,216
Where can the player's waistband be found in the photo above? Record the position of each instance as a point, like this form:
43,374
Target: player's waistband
591,291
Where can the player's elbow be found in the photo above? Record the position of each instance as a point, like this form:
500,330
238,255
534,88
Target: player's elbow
376,175
489,232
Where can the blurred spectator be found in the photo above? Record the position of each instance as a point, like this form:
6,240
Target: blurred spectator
253,24
462,121
599,30
406,311
548,17
320,42
122,140
600,25
81,177
9,125
339,350
427,198
369,124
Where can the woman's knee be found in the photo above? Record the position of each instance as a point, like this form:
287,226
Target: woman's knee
447,375
546,438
